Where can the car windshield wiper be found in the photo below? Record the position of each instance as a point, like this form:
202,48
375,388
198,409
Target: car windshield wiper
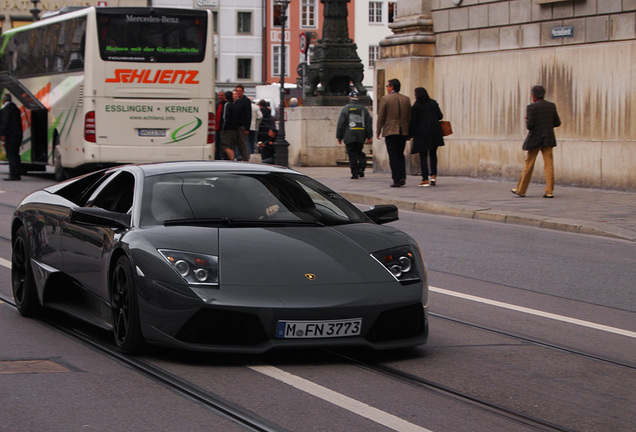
239,223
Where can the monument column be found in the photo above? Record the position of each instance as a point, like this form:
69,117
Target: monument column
408,55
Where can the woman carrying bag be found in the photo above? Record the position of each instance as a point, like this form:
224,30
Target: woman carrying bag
426,133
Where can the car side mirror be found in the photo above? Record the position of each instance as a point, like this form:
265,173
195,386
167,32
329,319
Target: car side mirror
383,213
96,216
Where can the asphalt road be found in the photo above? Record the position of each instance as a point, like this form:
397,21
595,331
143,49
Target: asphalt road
530,330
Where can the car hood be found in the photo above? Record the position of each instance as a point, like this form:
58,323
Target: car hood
288,255
295,256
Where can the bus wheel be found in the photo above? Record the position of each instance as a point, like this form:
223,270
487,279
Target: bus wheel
60,173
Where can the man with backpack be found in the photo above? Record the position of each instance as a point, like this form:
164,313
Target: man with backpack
355,129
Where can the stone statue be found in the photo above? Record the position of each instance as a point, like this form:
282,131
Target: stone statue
335,63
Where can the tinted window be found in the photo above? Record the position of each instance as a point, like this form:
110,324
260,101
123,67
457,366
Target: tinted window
152,36
57,47
243,197
78,190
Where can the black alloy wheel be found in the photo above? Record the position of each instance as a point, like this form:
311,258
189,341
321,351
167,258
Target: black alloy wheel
22,280
126,323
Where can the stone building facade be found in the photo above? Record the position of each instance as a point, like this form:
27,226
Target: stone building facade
479,59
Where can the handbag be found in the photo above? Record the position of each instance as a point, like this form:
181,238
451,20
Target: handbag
447,129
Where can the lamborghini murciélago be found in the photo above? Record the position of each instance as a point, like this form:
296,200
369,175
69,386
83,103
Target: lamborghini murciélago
218,256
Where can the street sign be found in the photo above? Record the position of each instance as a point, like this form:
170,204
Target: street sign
304,42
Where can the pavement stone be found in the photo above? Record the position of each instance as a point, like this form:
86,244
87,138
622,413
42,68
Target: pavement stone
602,212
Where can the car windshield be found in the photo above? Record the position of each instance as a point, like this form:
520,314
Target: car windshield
243,199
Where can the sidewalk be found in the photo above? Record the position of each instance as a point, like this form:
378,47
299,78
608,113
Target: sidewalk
579,210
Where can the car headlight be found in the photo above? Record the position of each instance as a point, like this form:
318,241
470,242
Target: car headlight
400,262
194,268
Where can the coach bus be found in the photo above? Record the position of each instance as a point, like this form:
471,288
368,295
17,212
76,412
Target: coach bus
106,86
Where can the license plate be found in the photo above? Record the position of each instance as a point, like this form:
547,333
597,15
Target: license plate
152,132
318,329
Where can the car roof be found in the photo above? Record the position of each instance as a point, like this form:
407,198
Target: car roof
220,166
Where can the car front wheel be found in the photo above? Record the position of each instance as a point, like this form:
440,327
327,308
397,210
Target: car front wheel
126,323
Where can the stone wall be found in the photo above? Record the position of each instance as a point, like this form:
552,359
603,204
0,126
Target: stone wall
491,25
489,53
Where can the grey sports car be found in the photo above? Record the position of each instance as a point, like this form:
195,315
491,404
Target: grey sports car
218,256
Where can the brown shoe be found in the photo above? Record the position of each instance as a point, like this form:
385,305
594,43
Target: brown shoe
424,183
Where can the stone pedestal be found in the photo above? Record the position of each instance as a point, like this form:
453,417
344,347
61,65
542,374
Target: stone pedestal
311,132
335,64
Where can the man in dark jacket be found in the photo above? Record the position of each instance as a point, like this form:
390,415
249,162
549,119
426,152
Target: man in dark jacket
244,116
541,119
356,129
11,132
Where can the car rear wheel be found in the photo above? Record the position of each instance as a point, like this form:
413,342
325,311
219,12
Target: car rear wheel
126,323
22,281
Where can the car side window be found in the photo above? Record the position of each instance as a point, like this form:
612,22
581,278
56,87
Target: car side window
77,190
115,195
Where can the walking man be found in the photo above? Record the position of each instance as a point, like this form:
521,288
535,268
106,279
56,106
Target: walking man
11,132
244,116
355,128
541,119
394,116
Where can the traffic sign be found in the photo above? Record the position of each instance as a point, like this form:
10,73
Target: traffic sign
304,42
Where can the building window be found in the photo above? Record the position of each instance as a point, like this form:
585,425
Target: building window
392,11
375,12
244,68
308,13
276,60
215,22
244,22
374,53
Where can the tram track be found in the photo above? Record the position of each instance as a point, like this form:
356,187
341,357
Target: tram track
536,342
252,422
510,414
212,402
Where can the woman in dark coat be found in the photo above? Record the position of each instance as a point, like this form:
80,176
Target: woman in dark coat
426,133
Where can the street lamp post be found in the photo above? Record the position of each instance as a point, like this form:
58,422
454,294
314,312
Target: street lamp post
281,146
35,11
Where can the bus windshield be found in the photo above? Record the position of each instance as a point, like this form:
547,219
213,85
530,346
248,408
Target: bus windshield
174,36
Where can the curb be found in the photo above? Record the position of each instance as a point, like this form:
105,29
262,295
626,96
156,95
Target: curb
486,214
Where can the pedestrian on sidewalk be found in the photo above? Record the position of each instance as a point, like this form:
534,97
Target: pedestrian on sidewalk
541,119
426,133
244,116
394,116
257,116
355,127
267,121
229,126
220,101
11,133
